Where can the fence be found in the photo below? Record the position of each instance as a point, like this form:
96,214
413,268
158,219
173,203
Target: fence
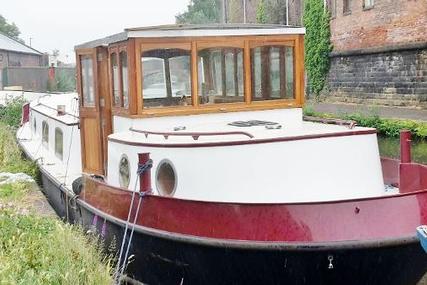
39,79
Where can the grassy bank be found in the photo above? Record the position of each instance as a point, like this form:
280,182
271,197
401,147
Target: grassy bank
386,127
36,248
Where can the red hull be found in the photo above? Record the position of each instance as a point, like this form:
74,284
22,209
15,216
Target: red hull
379,218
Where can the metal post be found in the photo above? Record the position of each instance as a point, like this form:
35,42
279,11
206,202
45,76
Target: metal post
144,178
224,12
244,11
287,12
405,146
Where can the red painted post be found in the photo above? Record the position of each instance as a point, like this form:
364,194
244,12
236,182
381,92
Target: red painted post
144,178
405,146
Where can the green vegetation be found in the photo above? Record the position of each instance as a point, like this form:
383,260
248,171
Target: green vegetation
11,159
261,15
11,30
317,44
11,115
39,250
201,12
35,248
384,126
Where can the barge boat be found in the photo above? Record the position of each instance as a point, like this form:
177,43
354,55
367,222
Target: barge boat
186,147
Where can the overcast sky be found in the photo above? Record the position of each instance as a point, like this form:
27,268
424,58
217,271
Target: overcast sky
62,24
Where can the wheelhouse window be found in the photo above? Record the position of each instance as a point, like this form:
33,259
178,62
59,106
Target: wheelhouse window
166,77
88,91
59,143
45,133
272,73
115,81
123,57
220,75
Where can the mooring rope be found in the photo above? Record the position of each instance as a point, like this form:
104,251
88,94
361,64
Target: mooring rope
141,169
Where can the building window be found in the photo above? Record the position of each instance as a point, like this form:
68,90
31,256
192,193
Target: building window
272,73
45,133
220,75
59,140
88,89
124,75
166,78
124,172
346,7
367,4
115,74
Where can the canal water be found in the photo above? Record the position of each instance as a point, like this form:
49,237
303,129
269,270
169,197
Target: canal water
390,147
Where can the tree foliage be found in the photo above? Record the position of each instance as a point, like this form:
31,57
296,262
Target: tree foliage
261,14
271,11
201,12
10,30
317,43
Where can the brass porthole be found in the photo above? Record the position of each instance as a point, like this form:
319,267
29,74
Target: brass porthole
166,179
124,171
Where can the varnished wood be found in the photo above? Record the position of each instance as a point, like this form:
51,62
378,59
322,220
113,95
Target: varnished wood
247,72
194,76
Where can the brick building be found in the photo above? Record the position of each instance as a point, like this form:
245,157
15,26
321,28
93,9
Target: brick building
380,52
235,11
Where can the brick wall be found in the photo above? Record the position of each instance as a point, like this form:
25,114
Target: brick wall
387,23
394,78
235,11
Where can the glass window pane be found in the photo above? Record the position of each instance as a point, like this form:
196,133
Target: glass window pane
45,133
115,74
166,75
87,81
125,82
220,75
59,143
272,73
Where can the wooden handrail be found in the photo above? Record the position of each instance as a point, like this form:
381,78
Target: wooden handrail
194,135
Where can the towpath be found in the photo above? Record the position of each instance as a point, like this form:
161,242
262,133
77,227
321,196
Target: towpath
382,111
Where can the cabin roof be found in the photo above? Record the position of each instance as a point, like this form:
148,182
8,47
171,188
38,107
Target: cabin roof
195,31
9,44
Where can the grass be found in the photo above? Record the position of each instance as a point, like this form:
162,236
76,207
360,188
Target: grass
385,127
11,159
36,248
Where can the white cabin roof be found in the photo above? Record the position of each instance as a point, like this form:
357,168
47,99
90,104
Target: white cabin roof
211,30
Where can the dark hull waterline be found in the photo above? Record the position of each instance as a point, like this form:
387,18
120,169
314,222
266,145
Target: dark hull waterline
165,258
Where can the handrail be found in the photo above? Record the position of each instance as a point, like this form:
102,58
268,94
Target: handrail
194,135
349,123
55,109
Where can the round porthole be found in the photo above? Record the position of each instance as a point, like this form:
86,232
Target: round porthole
166,180
124,172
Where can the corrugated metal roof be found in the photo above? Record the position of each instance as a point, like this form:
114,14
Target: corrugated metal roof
9,44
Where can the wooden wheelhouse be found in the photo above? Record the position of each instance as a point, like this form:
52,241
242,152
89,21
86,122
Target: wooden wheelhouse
184,70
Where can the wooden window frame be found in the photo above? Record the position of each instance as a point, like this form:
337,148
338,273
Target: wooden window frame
117,49
206,44
197,43
87,52
148,46
284,102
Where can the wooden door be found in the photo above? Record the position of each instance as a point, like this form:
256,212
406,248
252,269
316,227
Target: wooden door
92,66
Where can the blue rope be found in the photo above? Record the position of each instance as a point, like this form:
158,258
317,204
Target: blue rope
142,168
